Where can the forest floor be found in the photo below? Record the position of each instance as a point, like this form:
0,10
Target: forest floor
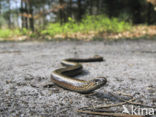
25,67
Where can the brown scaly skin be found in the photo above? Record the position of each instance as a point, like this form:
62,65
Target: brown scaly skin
62,77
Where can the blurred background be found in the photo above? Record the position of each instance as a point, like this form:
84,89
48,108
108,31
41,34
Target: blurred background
78,19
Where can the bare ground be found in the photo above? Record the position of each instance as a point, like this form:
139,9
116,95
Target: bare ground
130,67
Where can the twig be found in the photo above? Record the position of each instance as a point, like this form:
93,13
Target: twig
7,51
109,114
134,103
113,105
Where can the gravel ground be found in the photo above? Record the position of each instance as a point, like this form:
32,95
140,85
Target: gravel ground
130,67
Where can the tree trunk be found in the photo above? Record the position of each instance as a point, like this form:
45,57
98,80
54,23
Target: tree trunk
61,12
31,19
149,16
0,7
0,12
98,6
26,19
79,10
9,15
91,7
22,11
70,8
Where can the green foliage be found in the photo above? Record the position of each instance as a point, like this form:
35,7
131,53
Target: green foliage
89,23
8,33
5,33
24,31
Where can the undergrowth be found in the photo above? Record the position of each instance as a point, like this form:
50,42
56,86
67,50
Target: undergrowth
97,24
8,33
100,23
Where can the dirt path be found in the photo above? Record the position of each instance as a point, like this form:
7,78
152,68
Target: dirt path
130,67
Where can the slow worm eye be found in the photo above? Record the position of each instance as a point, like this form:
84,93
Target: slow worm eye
96,80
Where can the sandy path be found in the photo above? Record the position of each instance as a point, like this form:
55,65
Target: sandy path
130,67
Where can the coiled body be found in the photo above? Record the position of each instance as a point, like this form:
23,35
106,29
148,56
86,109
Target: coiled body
63,76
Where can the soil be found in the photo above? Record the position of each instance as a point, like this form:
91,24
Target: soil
25,68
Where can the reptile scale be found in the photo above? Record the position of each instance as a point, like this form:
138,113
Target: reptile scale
63,76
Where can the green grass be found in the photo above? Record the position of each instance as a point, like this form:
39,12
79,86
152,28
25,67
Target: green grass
8,33
5,33
100,23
